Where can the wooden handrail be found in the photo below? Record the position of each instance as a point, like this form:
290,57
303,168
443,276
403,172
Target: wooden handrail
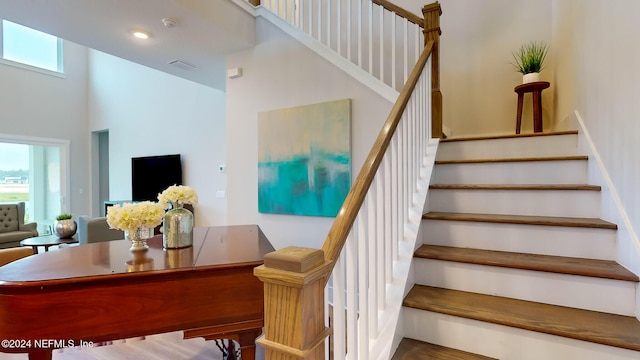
295,278
400,12
339,231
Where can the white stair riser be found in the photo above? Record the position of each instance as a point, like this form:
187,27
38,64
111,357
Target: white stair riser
502,342
569,203
535,146
606,295
522,172
531,239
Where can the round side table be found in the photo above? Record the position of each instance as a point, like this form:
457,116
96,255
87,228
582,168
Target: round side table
535,88
46,241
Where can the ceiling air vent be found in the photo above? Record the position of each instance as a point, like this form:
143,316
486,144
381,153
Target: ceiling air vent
182,65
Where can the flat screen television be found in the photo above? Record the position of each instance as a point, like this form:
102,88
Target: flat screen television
150,175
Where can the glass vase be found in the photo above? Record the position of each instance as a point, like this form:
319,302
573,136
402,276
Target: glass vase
138,238
177,228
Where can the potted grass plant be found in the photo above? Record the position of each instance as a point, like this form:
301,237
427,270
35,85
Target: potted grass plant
65,226
529,60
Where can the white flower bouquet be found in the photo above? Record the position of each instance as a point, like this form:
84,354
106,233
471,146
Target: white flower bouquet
178,195
130,217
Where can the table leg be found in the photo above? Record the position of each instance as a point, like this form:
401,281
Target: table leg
247,341
519,113
537,111
40,354
35,249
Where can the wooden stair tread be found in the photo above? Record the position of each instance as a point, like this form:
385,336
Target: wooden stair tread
597,327
410,349
515,187
555,264
519,159
508,136
523,219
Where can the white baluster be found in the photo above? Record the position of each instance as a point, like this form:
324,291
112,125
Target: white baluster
380,239
388,238
396,192
359,33
370,34
310,16
381,43
405,170
362,351
328,23
352,291
372,314
405,27
300,10
320,20
427,86
393,51
338,308
339,26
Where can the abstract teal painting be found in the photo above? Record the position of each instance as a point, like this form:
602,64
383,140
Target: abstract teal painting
304,159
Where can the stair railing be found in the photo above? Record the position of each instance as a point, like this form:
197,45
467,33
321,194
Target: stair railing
377,36
366,255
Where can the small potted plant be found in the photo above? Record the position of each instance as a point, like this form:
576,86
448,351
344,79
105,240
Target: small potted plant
529,60
65,226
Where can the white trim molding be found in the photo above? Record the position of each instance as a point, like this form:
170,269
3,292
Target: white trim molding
627,242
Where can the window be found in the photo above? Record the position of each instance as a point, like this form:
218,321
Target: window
31,47
33,170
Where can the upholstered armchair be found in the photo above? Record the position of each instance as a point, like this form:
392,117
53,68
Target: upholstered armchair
12,226
91,230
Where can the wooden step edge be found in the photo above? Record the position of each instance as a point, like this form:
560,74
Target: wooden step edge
523,220
521,159
509,136
410,349
515,187
604,269
592,326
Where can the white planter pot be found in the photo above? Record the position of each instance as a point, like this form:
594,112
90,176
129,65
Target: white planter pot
530,77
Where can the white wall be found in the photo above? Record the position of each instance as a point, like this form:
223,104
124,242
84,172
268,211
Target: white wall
477,78
598,79
280,73
33,104
148,113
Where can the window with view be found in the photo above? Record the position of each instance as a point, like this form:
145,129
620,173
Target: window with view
30,173
31,47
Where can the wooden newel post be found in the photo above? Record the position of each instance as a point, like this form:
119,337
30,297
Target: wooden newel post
294,281
432,32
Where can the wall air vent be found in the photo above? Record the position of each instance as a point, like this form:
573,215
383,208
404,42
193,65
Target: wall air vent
182,65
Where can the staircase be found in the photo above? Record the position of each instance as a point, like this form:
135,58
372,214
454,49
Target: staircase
515,261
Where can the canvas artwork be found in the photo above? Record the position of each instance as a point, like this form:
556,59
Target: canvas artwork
304,159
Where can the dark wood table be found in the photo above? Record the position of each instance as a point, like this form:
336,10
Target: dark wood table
101,291
535,88
46,241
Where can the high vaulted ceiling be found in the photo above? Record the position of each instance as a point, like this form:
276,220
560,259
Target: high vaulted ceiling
204,32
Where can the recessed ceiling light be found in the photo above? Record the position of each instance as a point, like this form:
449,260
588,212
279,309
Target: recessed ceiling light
140,34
